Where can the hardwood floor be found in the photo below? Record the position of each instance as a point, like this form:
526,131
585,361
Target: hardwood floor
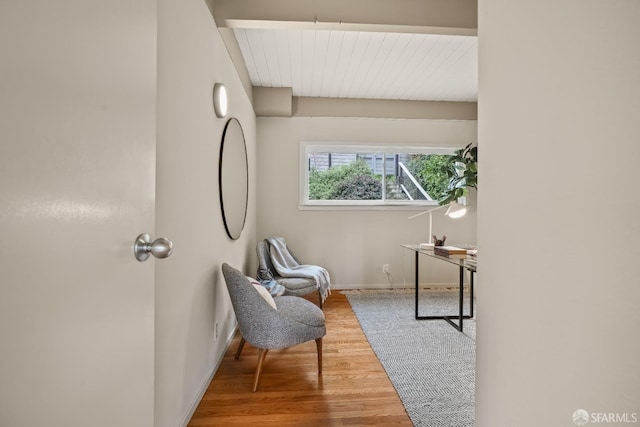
353,389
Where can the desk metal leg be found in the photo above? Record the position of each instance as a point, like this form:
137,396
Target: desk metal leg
471,273
461,299
417,281
460,315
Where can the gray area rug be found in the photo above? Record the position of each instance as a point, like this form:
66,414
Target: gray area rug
430,363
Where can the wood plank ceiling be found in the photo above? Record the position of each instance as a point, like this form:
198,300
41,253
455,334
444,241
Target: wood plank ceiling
361,64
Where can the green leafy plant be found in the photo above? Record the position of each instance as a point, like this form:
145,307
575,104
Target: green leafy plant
360,187
325,185
462,172
431,172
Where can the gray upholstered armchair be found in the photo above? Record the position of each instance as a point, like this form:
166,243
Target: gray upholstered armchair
295,320
297,286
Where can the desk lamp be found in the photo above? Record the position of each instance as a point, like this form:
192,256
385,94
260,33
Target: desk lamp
456,210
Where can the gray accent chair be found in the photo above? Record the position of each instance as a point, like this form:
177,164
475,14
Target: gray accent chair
296,286
295,321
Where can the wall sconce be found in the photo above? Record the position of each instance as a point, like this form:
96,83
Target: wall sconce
220,101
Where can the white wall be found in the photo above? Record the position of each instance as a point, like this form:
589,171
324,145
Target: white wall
190,292
558,130
353,244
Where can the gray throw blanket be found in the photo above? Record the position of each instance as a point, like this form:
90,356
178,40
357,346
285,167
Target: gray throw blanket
287,266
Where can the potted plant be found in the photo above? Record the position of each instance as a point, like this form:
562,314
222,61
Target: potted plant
462,170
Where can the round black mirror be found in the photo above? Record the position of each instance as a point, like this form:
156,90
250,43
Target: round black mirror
233,176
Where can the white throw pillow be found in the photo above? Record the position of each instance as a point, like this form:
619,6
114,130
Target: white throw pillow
264,293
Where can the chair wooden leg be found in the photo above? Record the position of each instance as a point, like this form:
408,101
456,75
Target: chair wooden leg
319,346
320,299
261,355
240,347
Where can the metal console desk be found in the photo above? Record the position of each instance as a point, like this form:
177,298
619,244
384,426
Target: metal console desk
463,264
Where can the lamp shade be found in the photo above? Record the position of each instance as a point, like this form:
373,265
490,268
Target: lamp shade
456,210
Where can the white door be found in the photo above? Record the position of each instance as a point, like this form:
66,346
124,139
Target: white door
77,177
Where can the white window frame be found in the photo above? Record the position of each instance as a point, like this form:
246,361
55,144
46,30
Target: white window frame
308,147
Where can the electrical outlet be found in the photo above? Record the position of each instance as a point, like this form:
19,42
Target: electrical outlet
385,268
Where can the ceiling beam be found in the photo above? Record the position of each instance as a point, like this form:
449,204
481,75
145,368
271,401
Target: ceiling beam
383,108
343,26
454,17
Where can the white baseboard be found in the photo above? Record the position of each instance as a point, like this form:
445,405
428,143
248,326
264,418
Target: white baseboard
205,385
346,287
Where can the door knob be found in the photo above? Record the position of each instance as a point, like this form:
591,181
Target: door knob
159,248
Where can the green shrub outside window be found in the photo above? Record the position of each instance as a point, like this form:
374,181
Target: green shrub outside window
402,177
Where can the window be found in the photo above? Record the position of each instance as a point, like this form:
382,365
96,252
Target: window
371,175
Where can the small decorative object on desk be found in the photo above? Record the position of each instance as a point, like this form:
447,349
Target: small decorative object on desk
439,242
450,251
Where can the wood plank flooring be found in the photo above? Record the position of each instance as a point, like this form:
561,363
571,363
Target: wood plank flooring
353,389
